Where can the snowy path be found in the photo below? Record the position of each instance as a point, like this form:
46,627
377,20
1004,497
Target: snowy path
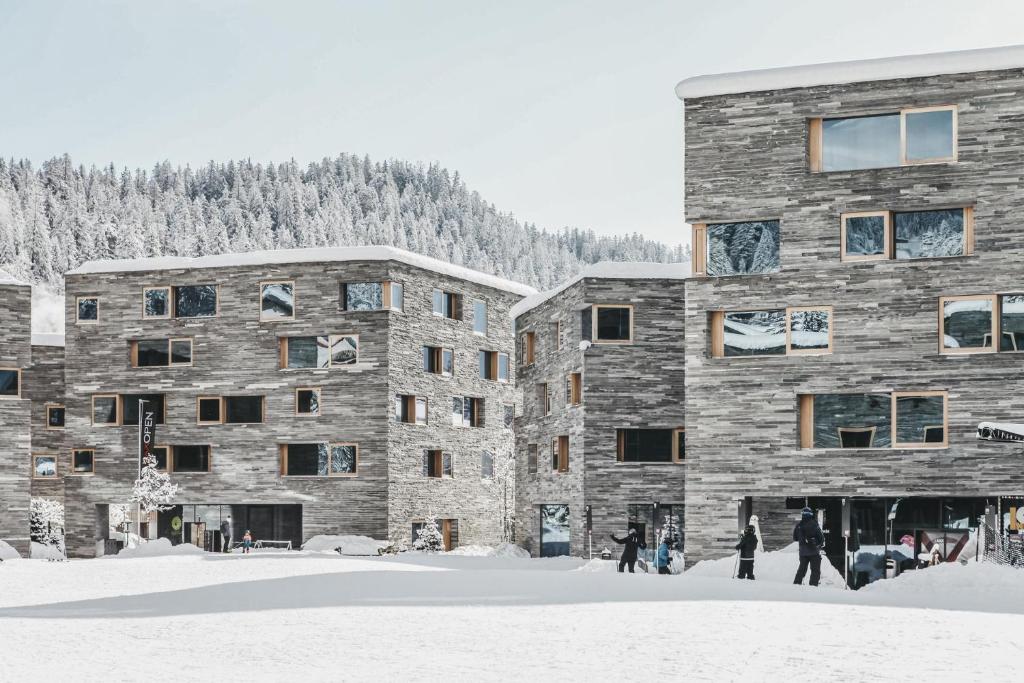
322,617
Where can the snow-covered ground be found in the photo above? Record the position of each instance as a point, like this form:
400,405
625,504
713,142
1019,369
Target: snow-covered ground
280,615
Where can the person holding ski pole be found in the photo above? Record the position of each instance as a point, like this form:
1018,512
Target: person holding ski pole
746,548
663,558
808,534
631,542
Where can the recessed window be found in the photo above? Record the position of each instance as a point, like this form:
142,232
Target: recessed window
447,304
560,454
397,295
362,296
494,366
88,309
613,324
54,416
907,235
243,409
318,352
531,458
437,464
649,445
195,301
866,236
181,351
104,410
319,459
778,332
745,248
911,136
487,465
527,349
44,466
277,301
209,410
411,409
556,335
543,398
190,459
307,401
83,461
10,383
130,407
574,389
156,302
467,411
509,416
438,361
480,317
867,420
160,353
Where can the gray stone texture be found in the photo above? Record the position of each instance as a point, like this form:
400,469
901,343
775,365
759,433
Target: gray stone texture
15,429
44,385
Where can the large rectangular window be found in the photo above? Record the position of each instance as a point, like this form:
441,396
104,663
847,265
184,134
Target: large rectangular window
438,361
648,445
494,366
467,411
277,301
907,235
793,330
911,136
746,248
319,459
195,301
243,409
130,407
867,420
319,352
190,459
10,383
160,353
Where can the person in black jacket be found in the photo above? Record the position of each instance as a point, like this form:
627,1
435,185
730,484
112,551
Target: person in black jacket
747,546
632,543
808,534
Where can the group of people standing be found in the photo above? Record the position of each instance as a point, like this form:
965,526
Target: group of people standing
225,536
632,544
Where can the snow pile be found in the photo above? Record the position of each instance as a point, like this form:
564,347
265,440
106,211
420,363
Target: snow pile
598,565
42,551
7,552
503,550
777,566
345,545
159,548
986,586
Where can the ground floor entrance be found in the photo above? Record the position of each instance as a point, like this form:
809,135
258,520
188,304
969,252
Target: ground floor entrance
554,530
212,526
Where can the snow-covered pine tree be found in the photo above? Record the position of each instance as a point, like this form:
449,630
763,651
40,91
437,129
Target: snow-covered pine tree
429,538
153,490
46,521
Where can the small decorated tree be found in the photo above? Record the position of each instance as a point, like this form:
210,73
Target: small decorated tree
429,538
153,490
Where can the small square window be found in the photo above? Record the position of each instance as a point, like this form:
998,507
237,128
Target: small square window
44,466
181,352
83,461
209,410
613,324
156,302
54,416
10,383
307,401
277,301
104,410
88,309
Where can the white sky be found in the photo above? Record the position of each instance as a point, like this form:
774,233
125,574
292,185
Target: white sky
560,112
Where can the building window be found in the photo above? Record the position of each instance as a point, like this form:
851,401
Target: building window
130,407
911,136
467,411
195,301
437,464
372,296
543,398
574,389
527,349
788,331
509,416
277,301
395,292
865,236
190,459
10,383
410,409
54,416
104,410
531,458
487,465
447,304
556,335
209,410
307,401
83,461
159,454
88,309
243,409
648,445
319,459
321,352
679,447
560,454
612,324
156,302
971,324
494,366
907,235
44,466
746,248
866,420
480,317
160,353
438,361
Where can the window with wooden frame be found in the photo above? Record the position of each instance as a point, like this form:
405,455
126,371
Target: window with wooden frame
494,366
196,301
447,304
372,296
531,458
189,459
560,454
44,466
411,409
55,416
612,324
244,409
83,461
648,445
209,410
527,349
749,247
467,411
129,408
796,330
438,361
162,455
543,399
156,303
922,135
902,419
105,410
277,300
974,323
556,335
574,388
437,464
322,352
160,353
679,445
87,310
10,383
907,235
307,401
336,459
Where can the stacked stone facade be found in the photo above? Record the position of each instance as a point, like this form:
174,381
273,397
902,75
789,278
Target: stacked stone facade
15,421
44,387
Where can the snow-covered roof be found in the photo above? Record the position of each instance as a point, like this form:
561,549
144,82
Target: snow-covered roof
907,66
48,340
314,255
608,270
8,279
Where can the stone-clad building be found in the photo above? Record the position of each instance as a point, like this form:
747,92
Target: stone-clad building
322,391
858,300
600,369
15,408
